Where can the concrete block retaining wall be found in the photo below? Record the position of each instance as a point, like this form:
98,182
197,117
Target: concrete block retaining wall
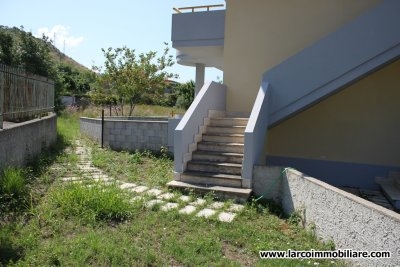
131,133
348,220
22,141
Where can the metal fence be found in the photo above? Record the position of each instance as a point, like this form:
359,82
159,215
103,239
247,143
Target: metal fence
24,96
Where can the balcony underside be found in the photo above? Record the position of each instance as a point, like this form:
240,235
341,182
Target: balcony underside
198,37
210,56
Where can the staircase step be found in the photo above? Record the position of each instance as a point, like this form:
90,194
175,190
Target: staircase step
225,129
228,121
220,147
210,178
216,167
240,195
224,138
391,192
217,156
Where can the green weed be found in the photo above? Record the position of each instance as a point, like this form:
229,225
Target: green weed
93,204
13,189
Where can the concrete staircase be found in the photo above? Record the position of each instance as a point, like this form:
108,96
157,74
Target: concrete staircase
216,164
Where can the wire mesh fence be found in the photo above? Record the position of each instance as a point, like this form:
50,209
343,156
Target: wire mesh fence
24,96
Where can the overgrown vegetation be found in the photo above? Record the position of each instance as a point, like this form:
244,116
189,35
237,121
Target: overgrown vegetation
72,225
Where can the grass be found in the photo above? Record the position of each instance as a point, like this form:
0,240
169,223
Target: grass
138,167
70,225
90,205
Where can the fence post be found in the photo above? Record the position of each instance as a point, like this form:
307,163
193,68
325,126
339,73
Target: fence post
102,128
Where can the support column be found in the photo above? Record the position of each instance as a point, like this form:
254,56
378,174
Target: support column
200,73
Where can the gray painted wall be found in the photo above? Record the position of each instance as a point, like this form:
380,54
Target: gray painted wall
198,28
131,134
350,221
20,142
340,58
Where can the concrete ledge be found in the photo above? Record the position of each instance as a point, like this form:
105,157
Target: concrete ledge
20,142
350,221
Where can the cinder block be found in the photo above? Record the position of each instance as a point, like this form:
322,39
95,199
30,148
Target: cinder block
156,126
143,126
143,139
126,131
133,139
151,132
119,125
115,131
155,139
120,138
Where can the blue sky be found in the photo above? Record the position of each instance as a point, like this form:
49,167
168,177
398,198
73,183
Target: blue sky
87,26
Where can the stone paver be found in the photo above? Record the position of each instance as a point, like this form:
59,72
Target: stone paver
217,205
199,202
169,206
127,185
139,189
226,216
154,202
236,207
187,209
103,179
166,196
69,179
185,198
154,192
206,213
90,176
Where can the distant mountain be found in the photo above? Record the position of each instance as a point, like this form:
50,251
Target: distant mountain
55,53
58,56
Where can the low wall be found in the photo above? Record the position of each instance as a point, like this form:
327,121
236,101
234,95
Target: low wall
349,221
131,133
20,142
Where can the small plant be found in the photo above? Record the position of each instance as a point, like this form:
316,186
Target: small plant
13,182
13,188
136,157
296,218
164,153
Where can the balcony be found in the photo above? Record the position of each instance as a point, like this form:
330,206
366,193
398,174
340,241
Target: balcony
198,36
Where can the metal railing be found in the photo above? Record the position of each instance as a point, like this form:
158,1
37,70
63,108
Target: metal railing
193,8
24,96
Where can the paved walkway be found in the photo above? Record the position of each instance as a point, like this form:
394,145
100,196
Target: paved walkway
167,201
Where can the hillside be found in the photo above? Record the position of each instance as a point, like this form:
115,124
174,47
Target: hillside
56,55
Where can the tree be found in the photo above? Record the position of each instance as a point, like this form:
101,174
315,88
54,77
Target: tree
35,54
128,76
7,55
185,94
